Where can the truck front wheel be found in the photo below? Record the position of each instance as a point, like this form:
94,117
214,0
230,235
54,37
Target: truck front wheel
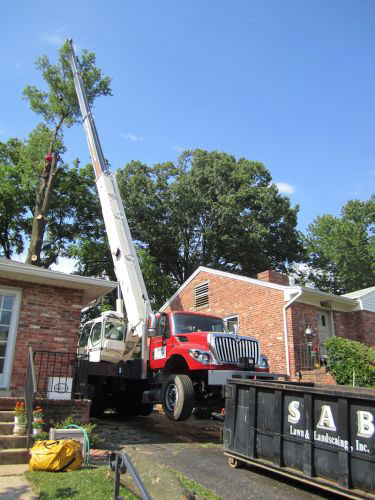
178,397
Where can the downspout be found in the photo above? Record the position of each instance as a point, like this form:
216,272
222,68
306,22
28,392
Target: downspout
285,306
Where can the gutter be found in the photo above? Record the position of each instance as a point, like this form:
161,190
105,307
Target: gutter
285,306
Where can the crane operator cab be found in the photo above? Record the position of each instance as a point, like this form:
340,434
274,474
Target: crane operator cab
104,339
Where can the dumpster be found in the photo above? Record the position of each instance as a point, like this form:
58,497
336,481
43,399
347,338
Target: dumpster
319,434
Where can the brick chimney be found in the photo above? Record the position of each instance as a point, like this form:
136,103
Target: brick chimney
273,277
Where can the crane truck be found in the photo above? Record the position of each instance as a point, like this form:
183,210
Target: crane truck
180,359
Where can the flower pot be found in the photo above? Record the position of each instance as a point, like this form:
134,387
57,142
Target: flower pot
19,420
19,429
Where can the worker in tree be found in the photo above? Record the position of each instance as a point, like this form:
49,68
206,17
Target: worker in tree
47,163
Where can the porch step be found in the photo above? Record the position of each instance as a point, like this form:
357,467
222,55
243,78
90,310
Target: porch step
6,416
9,442
6,428
14,456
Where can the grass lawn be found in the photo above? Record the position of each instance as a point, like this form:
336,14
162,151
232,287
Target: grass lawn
90,483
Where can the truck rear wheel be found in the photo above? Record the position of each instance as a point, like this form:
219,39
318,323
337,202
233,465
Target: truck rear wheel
178,397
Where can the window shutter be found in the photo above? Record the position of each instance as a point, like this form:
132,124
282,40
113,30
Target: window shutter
201,295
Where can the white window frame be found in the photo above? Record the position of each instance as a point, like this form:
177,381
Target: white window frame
231,317
13,328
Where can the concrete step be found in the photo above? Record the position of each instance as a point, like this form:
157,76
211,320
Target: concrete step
14,456
6,416
9,442
6,428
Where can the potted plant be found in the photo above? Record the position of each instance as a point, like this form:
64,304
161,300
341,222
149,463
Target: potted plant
19,419
38,420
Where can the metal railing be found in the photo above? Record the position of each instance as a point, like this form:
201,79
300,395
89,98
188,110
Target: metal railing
120,463
307,356
30,391
60,373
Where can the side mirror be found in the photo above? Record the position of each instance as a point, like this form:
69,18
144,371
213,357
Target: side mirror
152,320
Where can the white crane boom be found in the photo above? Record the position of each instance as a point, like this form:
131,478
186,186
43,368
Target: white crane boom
123,252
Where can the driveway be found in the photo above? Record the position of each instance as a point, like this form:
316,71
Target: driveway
193,448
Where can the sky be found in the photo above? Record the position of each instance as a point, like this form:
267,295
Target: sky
289,83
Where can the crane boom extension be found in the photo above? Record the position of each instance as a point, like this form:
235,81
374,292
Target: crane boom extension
123,252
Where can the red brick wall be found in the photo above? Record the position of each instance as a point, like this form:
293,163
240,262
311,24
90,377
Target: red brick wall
49,320
358,325
54,409
259,309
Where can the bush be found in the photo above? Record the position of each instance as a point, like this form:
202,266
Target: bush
95,439
348,357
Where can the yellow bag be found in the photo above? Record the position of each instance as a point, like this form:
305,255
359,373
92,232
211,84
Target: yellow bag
56,456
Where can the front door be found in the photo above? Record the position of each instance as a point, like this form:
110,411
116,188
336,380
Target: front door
324,329
9,311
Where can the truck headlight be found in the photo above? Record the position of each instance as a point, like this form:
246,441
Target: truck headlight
201,356
263,361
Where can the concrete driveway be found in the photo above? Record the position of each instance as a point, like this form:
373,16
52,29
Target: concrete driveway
193,448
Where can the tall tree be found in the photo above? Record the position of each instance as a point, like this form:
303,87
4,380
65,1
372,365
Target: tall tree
341,250
73,209
210,209
13,218
207,209
59,107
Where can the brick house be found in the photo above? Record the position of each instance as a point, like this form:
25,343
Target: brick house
39,308
291,322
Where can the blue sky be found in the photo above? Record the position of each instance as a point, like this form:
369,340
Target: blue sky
289,83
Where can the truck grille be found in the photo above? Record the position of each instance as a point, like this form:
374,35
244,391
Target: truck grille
230,349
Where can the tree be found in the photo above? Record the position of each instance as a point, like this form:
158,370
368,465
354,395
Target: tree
341,250
209,209
13,220
59,107
74,209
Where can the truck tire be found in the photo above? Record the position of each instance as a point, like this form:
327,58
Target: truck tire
178,397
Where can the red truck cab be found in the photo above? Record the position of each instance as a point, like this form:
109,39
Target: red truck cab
195,355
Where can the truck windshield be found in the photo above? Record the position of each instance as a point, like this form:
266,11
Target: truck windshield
188,323
114,331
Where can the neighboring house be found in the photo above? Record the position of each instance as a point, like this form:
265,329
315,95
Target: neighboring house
291,322
41,309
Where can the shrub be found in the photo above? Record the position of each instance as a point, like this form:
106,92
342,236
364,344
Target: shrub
348,357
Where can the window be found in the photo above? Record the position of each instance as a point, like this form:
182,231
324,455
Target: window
85,335
10,302
188,323
163,326
114,331
201,295
96,334
231,322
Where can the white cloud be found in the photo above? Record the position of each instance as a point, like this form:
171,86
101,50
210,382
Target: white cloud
285,188
53,39
132,137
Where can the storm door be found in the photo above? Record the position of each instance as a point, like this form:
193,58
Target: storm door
9,311
324,329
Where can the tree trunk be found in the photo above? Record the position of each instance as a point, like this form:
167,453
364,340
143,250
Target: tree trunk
43,200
